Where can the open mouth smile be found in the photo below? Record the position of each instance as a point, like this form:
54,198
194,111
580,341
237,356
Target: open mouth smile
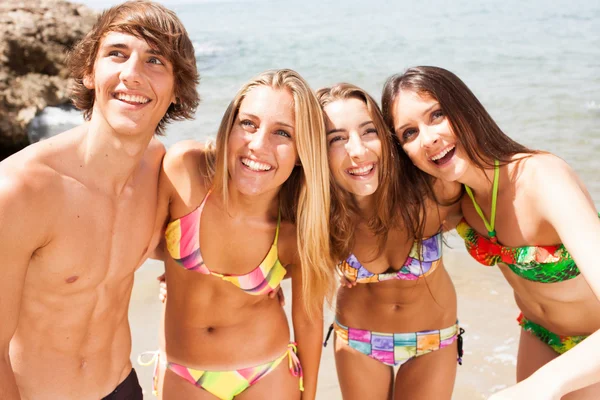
256,166
133,99
363,170
444,156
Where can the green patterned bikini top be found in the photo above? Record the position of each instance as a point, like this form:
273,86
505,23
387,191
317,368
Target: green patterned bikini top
546,264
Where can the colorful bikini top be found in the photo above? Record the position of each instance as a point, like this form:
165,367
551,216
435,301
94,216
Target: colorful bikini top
413,268
183,243
546,264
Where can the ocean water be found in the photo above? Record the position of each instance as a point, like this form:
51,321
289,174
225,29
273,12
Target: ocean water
535,65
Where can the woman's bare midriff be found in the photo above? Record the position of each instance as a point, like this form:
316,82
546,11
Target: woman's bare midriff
566,308
399,306
213,325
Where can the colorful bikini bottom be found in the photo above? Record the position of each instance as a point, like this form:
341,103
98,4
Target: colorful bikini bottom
395,349
559,344
225,385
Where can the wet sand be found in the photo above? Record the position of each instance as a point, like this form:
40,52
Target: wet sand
486,309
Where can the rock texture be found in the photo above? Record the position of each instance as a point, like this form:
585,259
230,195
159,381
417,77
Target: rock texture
35,36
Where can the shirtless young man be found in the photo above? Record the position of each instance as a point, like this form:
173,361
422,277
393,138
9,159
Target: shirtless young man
77,211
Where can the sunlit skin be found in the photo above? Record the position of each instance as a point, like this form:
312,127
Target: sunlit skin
133,83
261,149
77,214
391,306
354,147
541,201
425,134
210,323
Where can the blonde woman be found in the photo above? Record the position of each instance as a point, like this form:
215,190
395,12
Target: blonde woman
242,217
397,307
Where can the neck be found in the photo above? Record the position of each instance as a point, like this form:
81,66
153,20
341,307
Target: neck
113,157
479,180
243,205
366,205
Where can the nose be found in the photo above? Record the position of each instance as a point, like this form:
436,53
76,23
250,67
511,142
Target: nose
355,146
258,139
131,71
429,136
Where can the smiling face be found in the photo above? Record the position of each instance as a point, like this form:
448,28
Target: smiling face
133,85
354,146
261,150
427,136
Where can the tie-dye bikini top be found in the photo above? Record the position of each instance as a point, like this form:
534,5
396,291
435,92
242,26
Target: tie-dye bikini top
413,268
183,243
546,264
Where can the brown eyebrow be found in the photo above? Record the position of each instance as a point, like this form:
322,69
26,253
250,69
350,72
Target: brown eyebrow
363,124
116,46
255,117
123,46
397,130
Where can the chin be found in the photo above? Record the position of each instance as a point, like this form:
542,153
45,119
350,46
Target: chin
128,128
365,191
249,189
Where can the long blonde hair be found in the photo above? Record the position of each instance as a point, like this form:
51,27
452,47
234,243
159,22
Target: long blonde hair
304,198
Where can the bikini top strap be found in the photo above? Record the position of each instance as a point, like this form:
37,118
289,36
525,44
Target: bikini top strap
277,229
490,226
201,207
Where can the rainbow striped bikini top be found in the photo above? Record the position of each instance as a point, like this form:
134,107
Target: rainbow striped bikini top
413,268
183,243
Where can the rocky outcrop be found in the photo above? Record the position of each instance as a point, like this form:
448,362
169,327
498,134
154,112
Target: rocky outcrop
35,36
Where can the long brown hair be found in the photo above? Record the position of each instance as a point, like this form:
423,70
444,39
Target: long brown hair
344,210
304,198
162,30
476,131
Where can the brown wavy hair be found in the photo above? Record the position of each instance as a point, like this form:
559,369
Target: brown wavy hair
476,131
163,31
344,209
304,198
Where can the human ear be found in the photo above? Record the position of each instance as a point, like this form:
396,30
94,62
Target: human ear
88,82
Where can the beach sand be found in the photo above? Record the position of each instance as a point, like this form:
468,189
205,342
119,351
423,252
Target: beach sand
486,310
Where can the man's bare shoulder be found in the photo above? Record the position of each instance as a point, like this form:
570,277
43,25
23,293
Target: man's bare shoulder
156,149
27,173
33,174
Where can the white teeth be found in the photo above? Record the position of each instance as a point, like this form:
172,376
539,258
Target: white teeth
255,165
442,153
361,170
132,98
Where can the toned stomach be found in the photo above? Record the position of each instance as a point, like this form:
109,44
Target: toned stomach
566,308
213,325
71,346
399,306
